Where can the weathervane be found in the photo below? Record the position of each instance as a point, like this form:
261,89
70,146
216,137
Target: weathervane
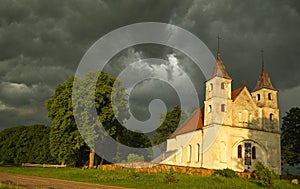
262,59
219,54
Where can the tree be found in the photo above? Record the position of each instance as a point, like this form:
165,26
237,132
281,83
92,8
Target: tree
25,144
102,96
290,137
169,125
65,139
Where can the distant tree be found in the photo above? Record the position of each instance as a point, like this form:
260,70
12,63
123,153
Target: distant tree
25,144
290,137
169,125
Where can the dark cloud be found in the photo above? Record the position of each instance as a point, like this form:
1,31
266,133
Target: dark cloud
42,43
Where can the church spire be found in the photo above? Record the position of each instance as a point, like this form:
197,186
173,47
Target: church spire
219,68
264,80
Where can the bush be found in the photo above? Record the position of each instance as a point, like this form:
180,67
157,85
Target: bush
134,158
229,173
170,177
264,175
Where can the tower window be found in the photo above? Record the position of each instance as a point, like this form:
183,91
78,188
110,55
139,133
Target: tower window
222,85
270,96
271,117
258,97
209,108
222,107
211,87
253,152
239,151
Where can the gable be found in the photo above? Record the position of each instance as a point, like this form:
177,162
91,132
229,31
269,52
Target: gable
242,97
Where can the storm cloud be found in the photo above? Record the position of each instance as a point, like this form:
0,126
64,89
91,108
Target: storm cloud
42,43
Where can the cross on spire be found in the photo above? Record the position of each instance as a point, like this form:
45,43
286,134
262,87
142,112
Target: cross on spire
262,59
218,55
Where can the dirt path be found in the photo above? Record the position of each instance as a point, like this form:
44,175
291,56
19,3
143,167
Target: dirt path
33,182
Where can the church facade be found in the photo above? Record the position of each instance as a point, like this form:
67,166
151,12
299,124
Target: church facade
233,129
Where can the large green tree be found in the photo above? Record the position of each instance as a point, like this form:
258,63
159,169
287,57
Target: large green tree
65,138
106,91
290,137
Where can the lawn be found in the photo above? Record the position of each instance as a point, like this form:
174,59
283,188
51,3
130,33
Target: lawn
142,180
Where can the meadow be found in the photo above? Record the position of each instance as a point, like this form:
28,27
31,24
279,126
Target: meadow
132,179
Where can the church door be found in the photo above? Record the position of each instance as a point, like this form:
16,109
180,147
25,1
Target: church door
247,153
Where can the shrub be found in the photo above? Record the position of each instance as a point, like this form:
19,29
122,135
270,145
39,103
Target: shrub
263,174
134,158
170,177
229,173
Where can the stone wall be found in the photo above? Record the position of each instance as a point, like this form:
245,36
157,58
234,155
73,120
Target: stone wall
157,168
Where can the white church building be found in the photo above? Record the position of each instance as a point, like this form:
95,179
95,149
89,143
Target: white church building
233,129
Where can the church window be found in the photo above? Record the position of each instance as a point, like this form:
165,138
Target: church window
253,152
270,96
211,86
198,152
209,108
189,153
240,151
250,118
222,107
271,117
222,85
258,97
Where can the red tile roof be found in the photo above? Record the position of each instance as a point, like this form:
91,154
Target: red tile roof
236,92
195,122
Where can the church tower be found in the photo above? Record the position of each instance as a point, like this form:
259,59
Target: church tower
218,95
265,96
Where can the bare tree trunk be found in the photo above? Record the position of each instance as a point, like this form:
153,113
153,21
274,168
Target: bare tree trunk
92,158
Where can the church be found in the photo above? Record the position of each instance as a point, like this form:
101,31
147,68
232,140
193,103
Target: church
233,129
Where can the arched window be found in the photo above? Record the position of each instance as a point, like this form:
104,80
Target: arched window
198,152
271,117
239,151
189,153
209,108
211,87
258,97
222,85
253,152
222,107
270,96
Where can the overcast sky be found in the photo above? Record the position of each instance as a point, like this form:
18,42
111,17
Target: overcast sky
42,43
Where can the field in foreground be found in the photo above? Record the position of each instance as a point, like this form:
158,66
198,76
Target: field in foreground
141,180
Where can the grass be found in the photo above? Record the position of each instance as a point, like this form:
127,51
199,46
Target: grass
142,180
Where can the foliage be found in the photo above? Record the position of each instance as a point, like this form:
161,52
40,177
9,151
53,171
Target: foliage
25,144
65,139
229,173
290,140
264,175
169,125
170,177
134,158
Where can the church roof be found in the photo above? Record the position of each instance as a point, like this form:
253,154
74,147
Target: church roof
219,68
264,81
195,122
236,92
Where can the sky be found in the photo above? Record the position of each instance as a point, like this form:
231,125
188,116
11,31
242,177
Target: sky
42,43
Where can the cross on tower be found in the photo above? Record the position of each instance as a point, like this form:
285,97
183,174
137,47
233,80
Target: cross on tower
218,37
262,59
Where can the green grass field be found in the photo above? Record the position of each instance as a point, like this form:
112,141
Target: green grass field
142,180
